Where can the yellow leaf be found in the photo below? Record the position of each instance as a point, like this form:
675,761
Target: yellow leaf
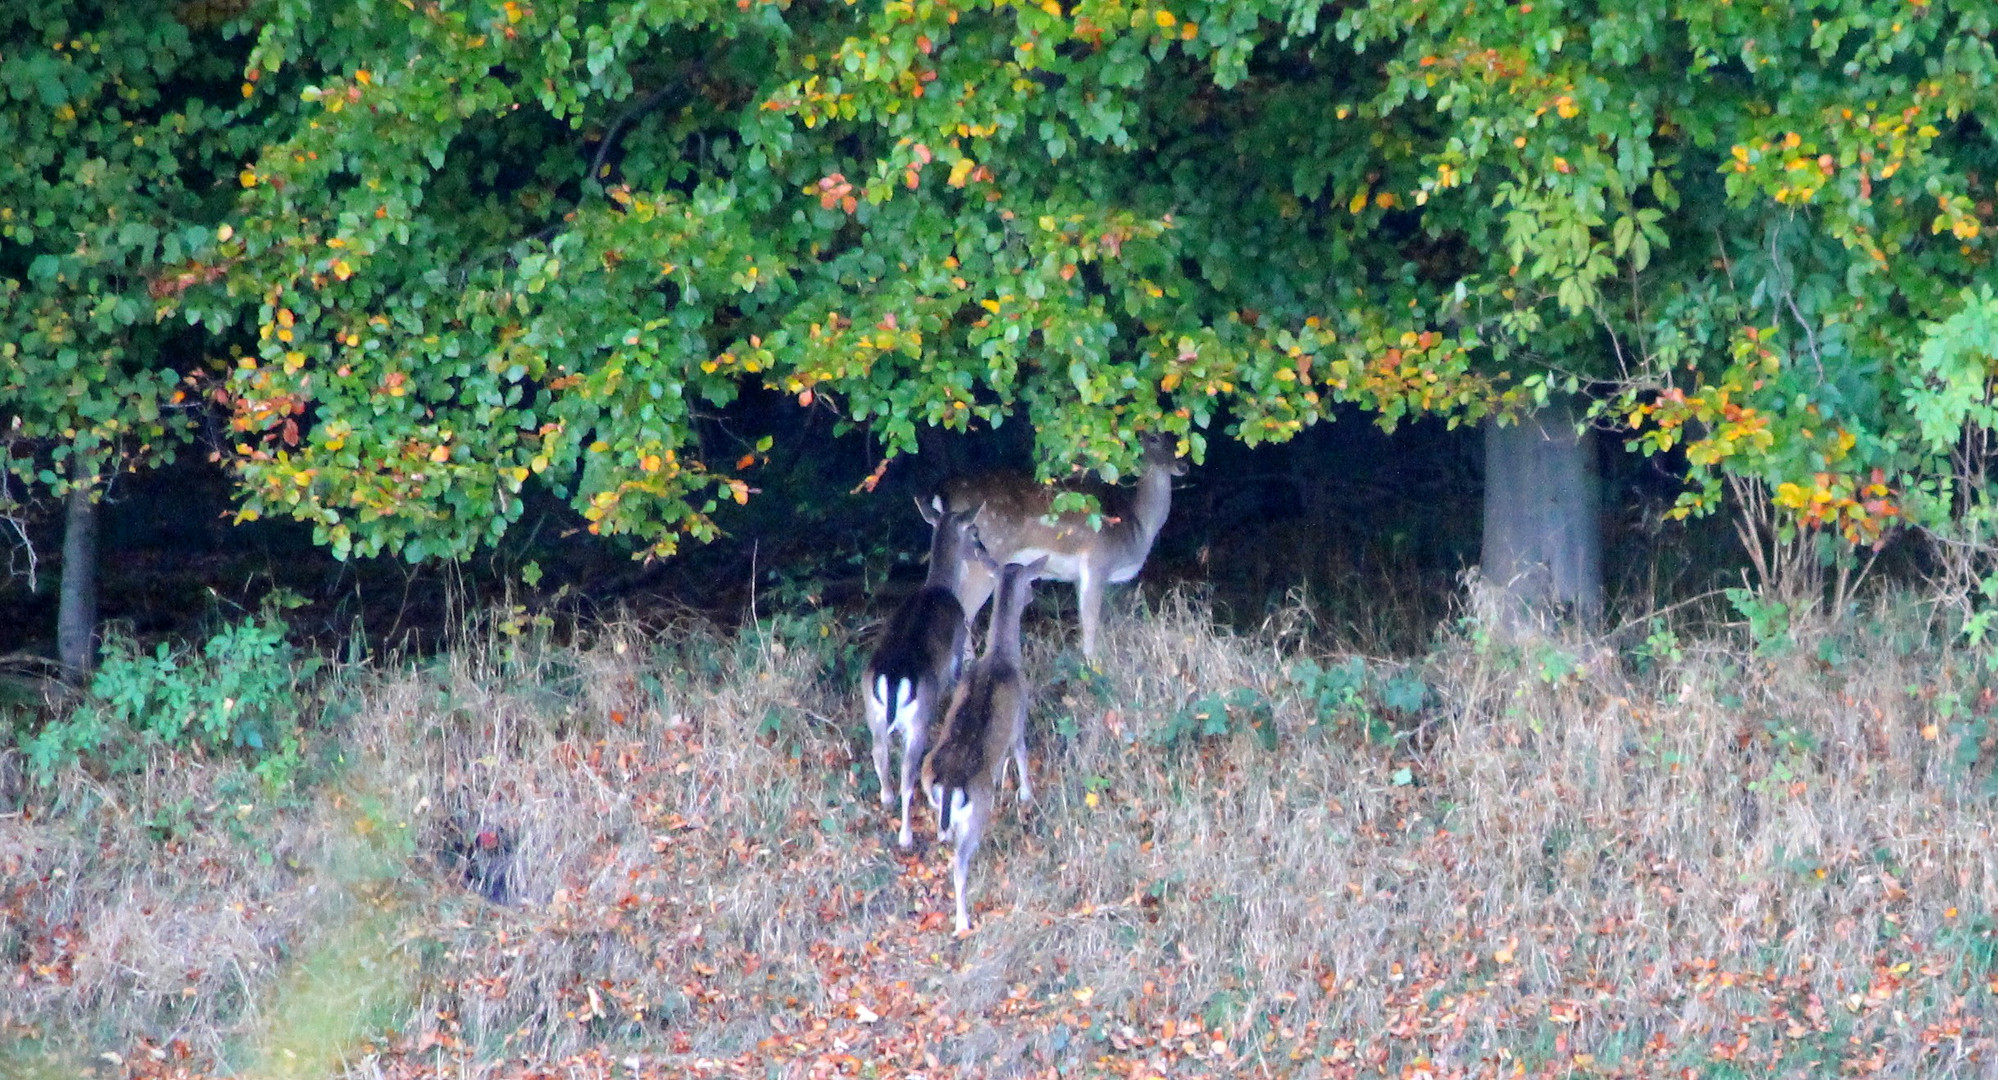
959,172
248,178
599,447
440,455
341,270
1165,19
1359,202
224,232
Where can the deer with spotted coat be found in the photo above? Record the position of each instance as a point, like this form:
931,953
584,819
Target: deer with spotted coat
1016,525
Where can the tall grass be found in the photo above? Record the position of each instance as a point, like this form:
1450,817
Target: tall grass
1691,853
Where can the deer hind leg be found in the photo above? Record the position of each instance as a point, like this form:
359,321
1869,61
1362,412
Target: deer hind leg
970,829
915,737
877,726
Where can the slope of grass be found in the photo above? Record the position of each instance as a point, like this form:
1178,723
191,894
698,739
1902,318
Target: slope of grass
660,854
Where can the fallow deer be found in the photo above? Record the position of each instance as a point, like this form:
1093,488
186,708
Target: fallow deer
1015,526
919,657
986,725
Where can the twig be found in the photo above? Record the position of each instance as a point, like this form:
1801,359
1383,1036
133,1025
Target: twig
651,102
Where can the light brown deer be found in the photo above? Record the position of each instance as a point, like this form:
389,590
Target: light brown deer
917,661
986,725
1015,526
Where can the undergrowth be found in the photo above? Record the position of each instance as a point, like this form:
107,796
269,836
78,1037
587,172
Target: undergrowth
1684,850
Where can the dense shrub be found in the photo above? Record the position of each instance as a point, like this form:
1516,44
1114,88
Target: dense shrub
240,692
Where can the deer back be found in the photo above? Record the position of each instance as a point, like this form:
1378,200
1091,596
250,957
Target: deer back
923,639
1015,523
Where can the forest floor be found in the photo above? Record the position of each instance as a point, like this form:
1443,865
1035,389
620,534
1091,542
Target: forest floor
661,853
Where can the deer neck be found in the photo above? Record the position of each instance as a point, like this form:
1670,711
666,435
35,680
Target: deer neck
947,546
1002,638
1153,503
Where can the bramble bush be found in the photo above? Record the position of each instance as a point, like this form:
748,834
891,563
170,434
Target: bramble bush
241,692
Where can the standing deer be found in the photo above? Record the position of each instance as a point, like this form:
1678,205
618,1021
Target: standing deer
986,724
1014,526
919,656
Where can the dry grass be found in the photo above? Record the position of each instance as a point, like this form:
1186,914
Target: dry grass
1562,861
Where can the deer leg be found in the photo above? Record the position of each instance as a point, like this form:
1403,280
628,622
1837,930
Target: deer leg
915,733
969,832
974,588
1089,608
1020,767
877,726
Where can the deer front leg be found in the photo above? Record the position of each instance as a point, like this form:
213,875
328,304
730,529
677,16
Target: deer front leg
1089,605
973,589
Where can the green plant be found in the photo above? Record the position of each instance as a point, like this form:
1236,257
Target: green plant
1340,696
1794,747
1215,715
1661,647
1337,693
1405,692
1768,621
240,692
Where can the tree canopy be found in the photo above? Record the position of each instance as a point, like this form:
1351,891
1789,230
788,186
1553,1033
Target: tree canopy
119,119
475,247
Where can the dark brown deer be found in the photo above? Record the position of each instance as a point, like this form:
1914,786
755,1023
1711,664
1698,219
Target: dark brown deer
986,725
919,656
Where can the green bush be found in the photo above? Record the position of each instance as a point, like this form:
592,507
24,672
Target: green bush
240,693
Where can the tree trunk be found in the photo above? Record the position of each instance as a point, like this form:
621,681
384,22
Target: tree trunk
76,614
1543,533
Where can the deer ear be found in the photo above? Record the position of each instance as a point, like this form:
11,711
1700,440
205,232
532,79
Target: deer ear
1034,568
985,558
932,509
